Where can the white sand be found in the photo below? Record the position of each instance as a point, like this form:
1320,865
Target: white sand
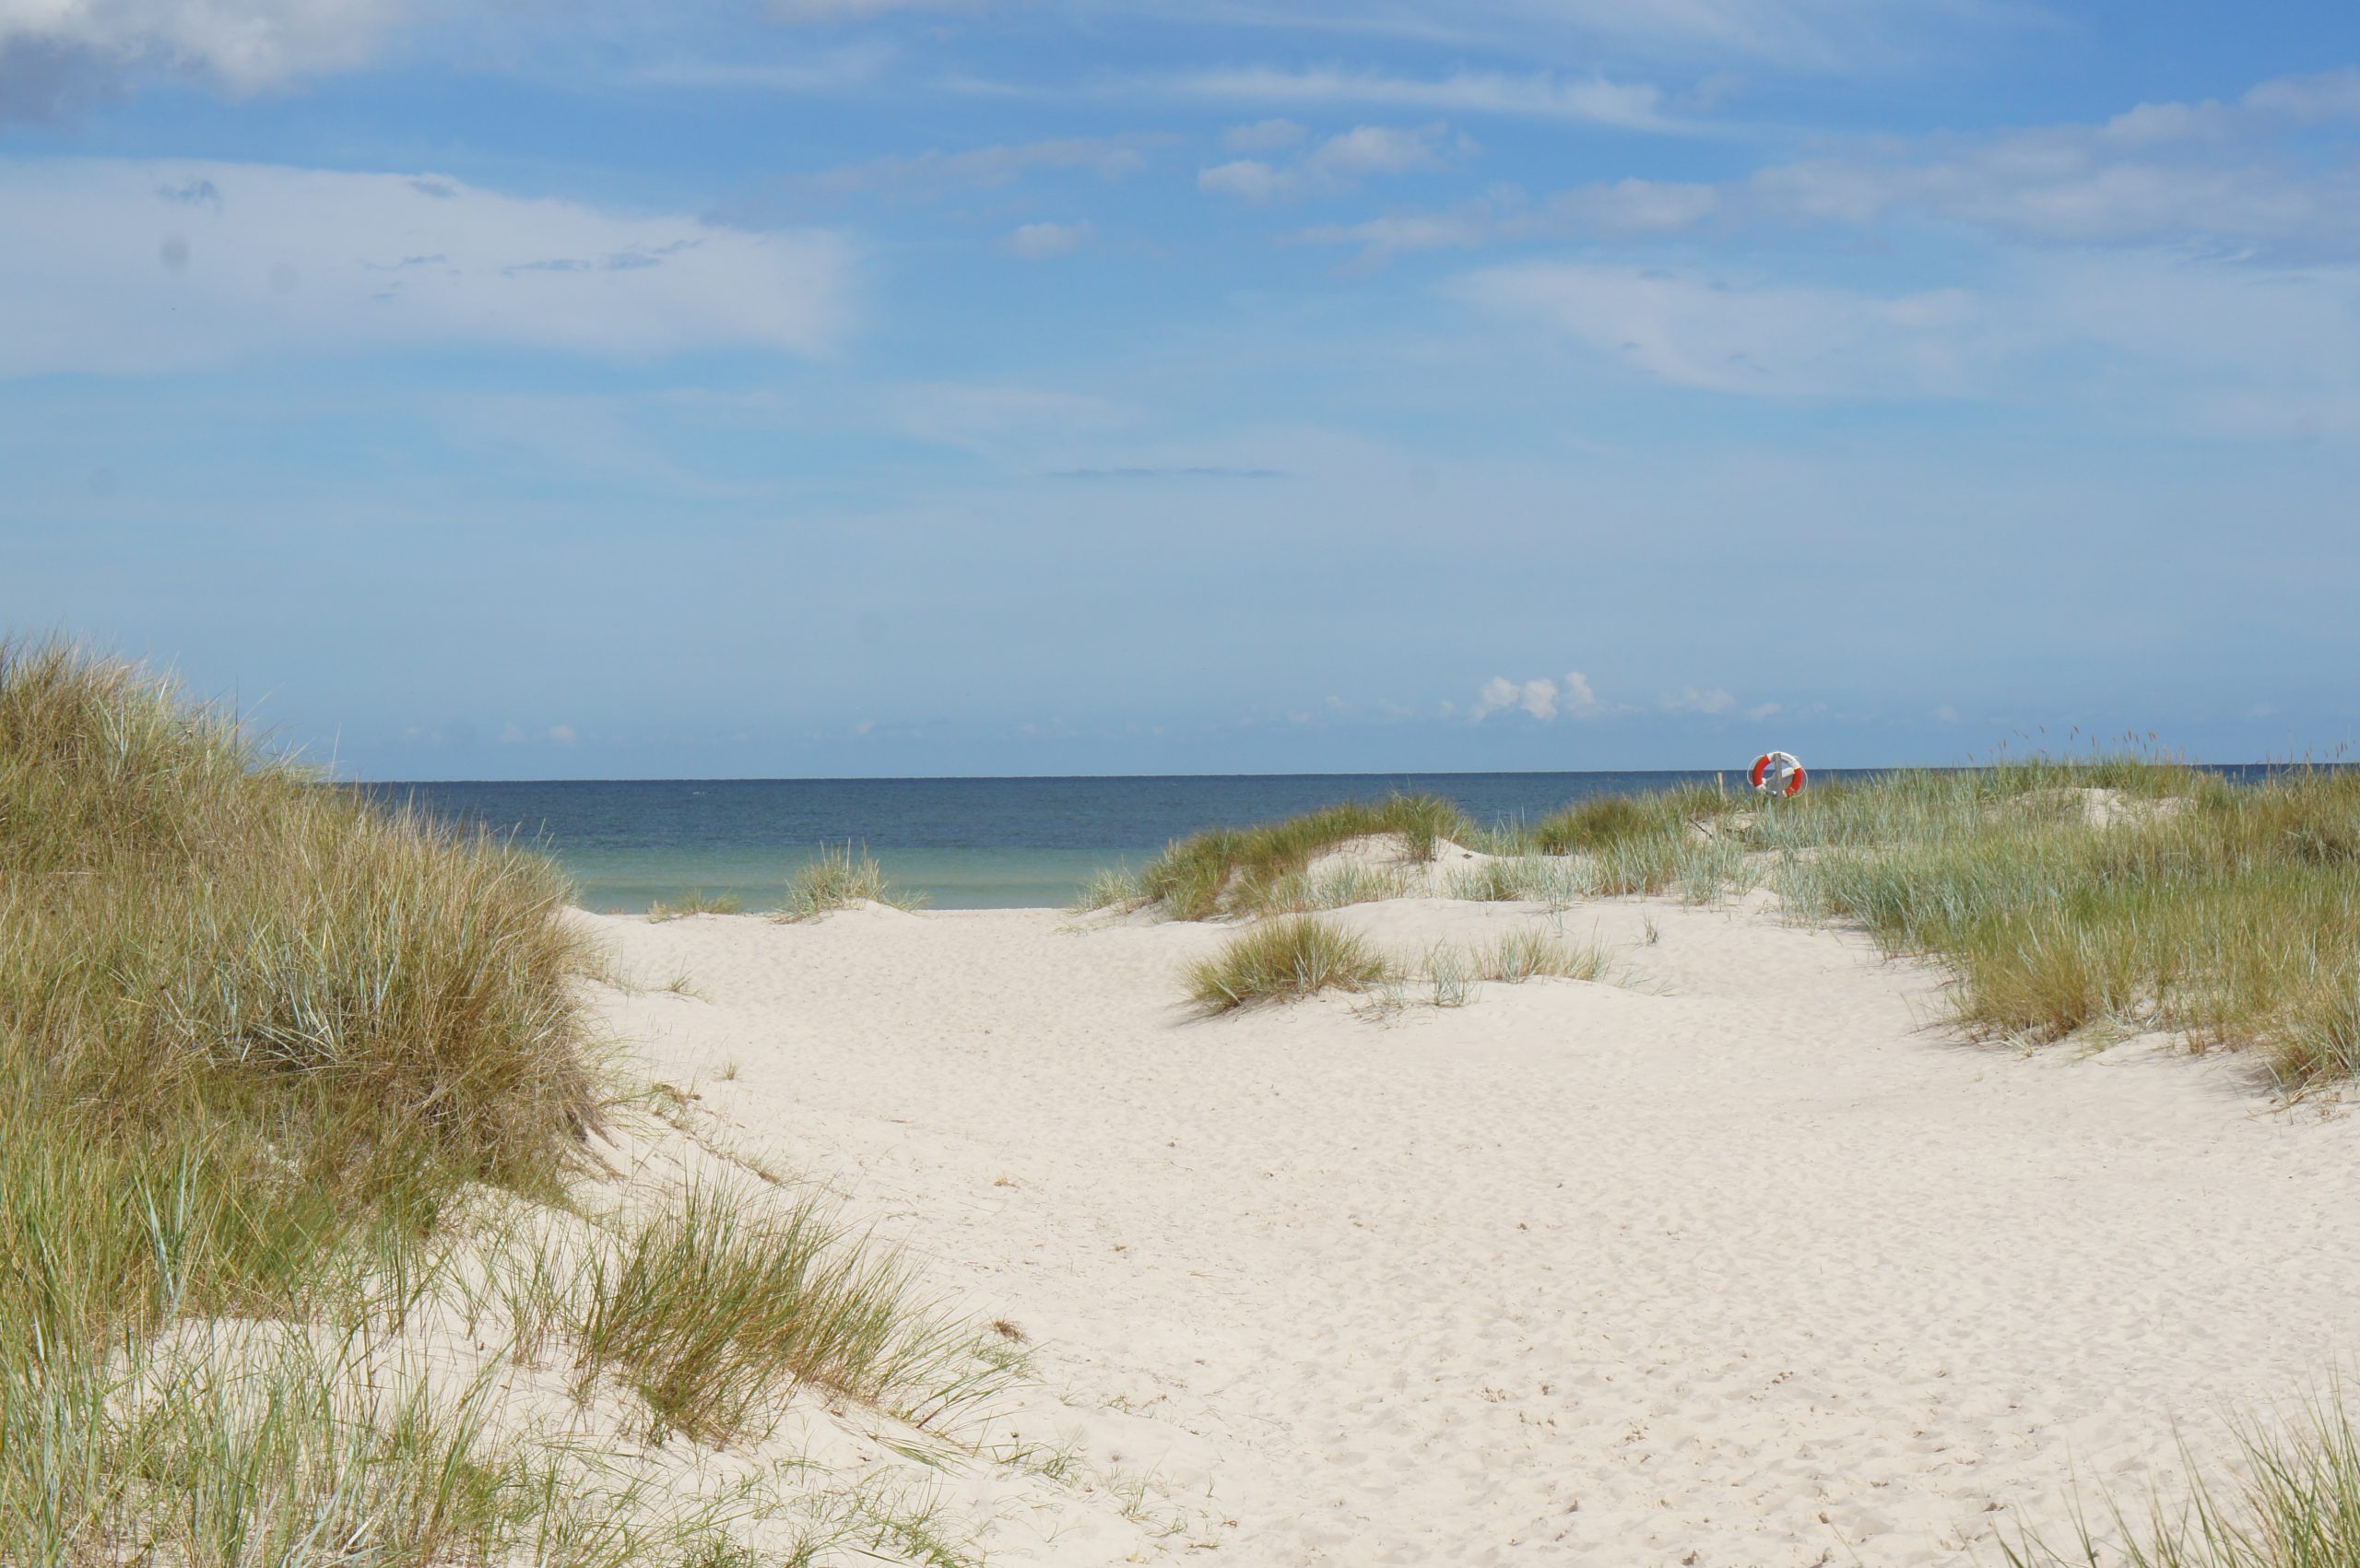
1731,1263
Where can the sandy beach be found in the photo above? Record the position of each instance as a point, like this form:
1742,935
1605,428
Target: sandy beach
1736,1257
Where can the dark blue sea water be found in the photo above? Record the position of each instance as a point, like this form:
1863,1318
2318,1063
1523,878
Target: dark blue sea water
963,844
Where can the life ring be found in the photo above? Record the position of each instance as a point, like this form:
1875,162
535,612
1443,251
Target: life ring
1779,773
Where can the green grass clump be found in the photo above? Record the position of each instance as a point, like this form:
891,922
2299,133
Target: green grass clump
715,1311
1292,956
696,904
2296,1504
838,877
1228,871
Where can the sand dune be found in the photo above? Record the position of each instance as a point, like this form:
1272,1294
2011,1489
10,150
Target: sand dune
1733,1260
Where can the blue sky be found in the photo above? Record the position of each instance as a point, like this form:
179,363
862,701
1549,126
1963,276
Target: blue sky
879,387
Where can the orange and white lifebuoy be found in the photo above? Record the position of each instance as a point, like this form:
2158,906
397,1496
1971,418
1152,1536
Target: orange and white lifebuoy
1777,772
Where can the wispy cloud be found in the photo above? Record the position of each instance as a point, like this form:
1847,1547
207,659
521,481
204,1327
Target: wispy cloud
1689,699
1337,164
2236,350
1632,106
109,265
1192,471
833,70
1624,209
1793,34
1038,241
1108,158
1773,341
2274,171
827,11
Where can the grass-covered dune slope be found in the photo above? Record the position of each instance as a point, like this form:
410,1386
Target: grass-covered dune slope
2114,892
241,1016
307,1254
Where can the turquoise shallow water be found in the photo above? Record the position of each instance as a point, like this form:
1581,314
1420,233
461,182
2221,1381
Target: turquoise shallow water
961,844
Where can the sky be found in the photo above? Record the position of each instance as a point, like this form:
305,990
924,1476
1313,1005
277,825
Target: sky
916,387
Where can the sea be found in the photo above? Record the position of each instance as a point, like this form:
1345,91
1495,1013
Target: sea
957,844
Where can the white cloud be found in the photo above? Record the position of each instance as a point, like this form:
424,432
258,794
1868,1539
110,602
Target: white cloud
1376,149
1498,692
1543,698
1763,710
1264,136
563,735
2326,96
125,266
512,734
1036,241
1249,179
1109,158
1687,700
1337,164
1630,106
244,45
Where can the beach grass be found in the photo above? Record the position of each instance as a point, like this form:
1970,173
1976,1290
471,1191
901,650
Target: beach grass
2127,891
696,903
838,877
246,1009
269,1052
2292,1502
1246,871
1289,957
2064,896
1529,953
1114,888
716,1310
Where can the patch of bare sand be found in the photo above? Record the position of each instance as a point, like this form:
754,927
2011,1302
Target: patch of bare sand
1734,1262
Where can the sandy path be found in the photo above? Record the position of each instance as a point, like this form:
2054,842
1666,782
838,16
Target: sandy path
1728,1264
